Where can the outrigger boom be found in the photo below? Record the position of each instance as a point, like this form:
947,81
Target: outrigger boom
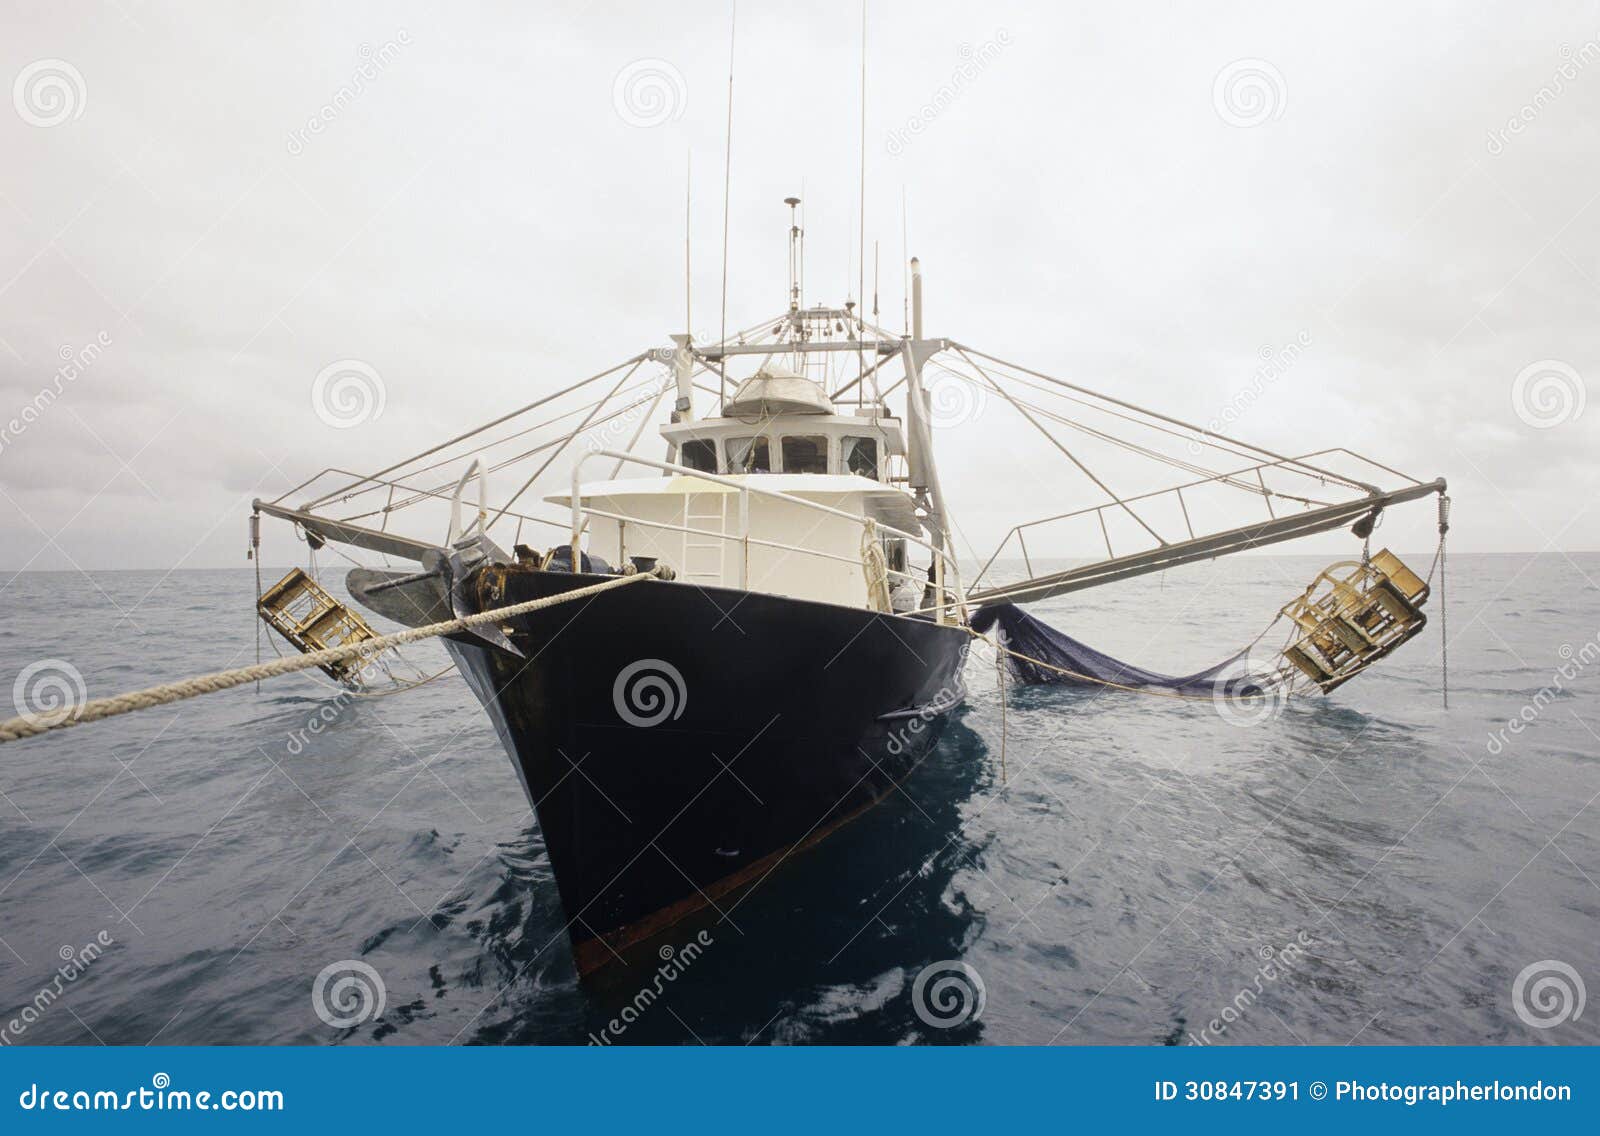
1245,537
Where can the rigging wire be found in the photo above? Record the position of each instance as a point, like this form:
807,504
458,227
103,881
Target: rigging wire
964,349
1156,426
442,490
1087,472
1243,454
636,359
1208,474
565,442
1444,623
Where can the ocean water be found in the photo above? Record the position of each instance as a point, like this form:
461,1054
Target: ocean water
1071,867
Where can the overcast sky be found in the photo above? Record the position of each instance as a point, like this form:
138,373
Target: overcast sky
1145,198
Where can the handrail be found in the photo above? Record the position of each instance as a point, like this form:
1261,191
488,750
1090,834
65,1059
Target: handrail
941,557
756,540
1266,494
456,532
443,493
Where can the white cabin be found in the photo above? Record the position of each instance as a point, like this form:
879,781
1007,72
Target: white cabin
779,433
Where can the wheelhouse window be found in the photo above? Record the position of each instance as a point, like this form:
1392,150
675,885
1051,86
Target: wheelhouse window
700,454
860,456
749,455
805,453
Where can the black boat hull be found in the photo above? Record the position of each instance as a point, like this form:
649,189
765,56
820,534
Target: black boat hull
678,742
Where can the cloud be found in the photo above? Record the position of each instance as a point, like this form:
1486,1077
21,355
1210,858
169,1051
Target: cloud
479,225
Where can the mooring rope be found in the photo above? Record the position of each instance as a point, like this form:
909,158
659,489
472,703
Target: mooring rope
29,726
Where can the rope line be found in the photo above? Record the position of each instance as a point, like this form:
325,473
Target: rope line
29,726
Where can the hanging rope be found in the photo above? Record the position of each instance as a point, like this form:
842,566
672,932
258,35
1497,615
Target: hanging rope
255,555
1444,620
1000,670
93,711
875,567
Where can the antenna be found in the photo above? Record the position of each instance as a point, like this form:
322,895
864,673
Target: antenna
727,181
876,322
796,253
875,281
905,280
861,246
802,245
688,227
861,231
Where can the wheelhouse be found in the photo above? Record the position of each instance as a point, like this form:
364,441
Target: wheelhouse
780,422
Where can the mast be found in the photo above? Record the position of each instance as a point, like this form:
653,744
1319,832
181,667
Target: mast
795,255
919,442
683,376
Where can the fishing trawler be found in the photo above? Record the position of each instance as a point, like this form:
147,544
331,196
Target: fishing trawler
797,624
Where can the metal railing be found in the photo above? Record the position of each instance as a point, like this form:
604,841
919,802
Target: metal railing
943,564
1227,479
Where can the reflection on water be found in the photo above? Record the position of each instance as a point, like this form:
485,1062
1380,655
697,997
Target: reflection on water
1365,866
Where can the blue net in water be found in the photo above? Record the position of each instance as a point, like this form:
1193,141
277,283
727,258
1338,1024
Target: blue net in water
1023,634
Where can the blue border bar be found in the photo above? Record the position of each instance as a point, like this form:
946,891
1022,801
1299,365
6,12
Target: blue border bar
752,1091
